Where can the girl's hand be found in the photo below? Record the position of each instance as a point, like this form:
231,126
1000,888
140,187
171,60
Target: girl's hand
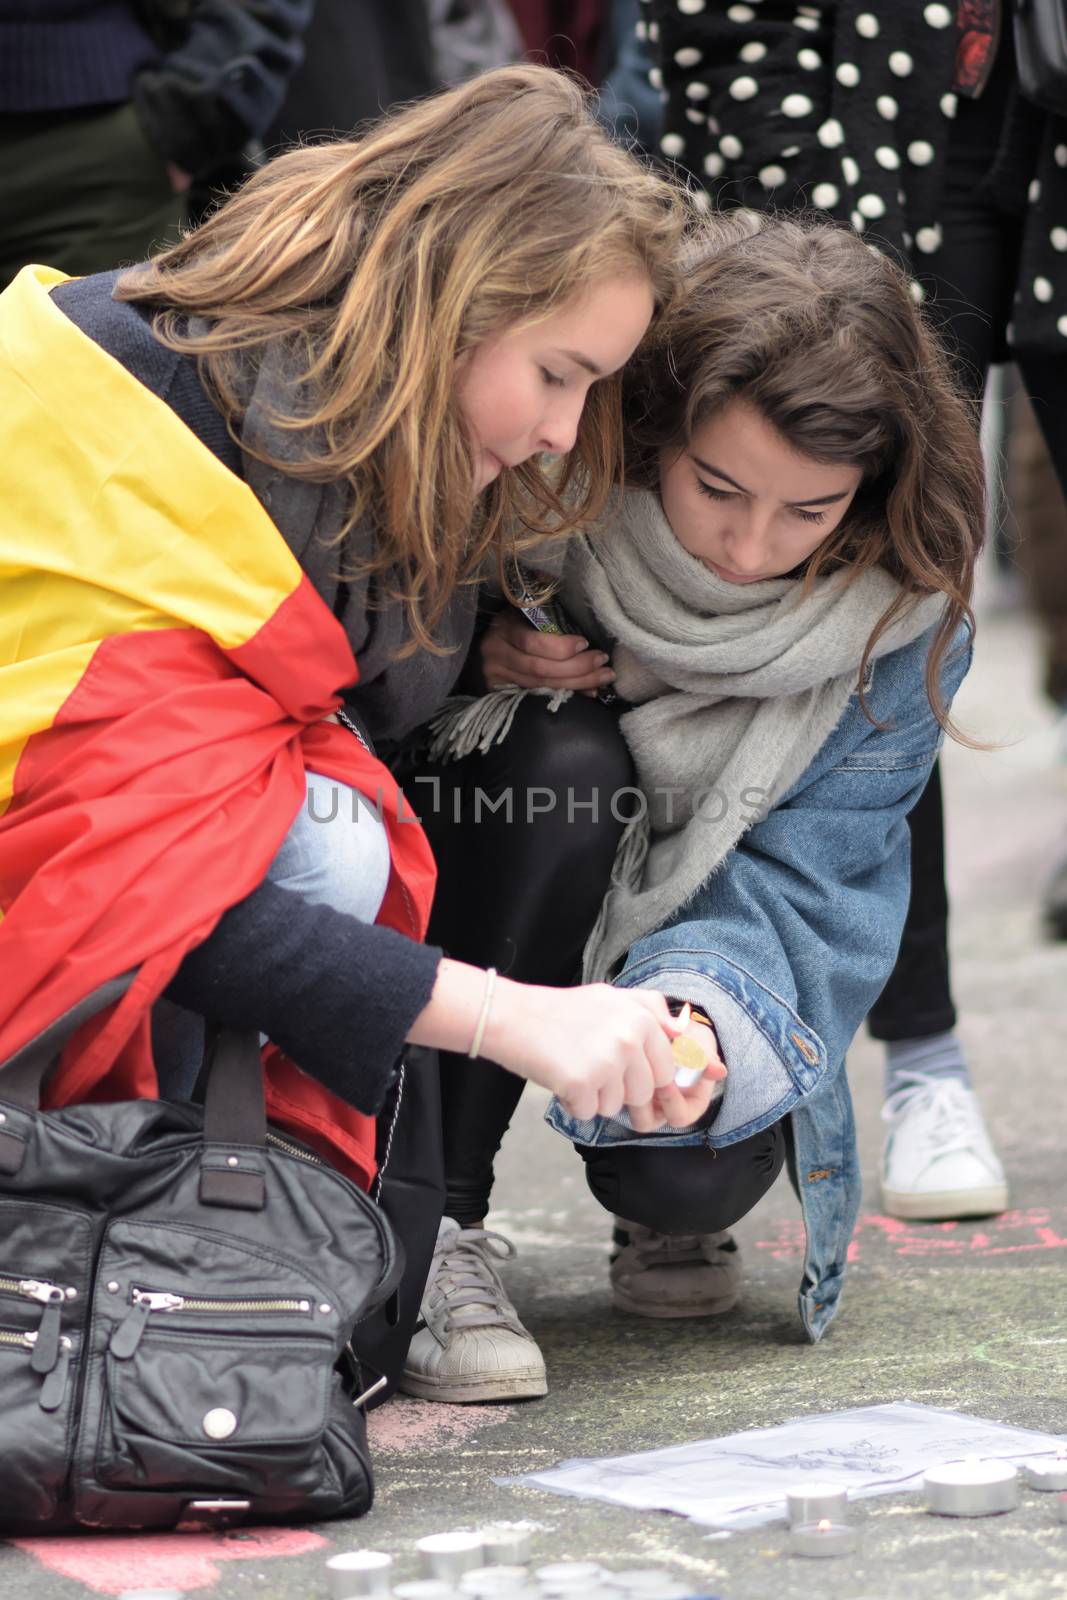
674,1107
514,651
596,1048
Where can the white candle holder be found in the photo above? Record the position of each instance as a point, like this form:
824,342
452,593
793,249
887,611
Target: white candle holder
570,1577
358,1572
493,1583
506,1545
821,1539
424,1589
971,1488
450,1555
1050,1474
817,1502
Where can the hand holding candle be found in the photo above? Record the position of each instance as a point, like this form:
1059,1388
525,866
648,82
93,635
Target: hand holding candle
698,1078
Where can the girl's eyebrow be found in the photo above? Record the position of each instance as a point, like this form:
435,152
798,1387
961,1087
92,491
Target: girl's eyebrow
717,472
582,361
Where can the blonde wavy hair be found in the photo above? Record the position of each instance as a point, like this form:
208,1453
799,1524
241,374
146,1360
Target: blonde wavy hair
380,262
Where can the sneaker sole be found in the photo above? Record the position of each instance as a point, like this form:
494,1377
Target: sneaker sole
457,1392
946,1205
697,1308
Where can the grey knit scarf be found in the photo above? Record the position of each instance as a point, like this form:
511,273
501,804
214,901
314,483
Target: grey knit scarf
733,689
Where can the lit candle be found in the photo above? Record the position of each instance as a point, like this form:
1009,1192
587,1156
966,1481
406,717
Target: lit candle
822,1538
1051,1474
816,1501
971,1488
449,1555
358,1572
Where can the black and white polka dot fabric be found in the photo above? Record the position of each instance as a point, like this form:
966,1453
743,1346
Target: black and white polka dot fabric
847,107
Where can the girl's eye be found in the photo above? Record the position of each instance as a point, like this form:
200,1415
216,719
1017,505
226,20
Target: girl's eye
552,380
714,494
809,516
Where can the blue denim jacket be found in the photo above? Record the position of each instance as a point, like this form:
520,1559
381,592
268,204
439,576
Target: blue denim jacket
789,944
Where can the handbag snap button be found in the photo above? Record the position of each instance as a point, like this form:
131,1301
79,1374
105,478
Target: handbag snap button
220,1423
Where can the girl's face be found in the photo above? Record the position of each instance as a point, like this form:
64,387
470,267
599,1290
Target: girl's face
521,392
740,498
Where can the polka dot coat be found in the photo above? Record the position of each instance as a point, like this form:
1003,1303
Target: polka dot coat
847,107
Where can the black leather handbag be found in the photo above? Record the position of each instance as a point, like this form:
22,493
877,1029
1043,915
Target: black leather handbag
1041,52
179,1290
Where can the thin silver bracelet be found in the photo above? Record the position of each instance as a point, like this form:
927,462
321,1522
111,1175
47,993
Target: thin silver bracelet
487,1000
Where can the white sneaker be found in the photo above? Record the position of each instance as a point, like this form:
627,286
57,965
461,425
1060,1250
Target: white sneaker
938,1162
469,1343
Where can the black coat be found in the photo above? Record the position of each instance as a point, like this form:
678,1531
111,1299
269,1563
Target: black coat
846,105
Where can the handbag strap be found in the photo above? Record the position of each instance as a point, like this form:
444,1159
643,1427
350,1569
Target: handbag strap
233,1165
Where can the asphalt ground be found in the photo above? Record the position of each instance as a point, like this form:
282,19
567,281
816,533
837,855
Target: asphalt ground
971,1316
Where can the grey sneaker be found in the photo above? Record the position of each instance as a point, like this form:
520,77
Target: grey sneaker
469,1343
674,1274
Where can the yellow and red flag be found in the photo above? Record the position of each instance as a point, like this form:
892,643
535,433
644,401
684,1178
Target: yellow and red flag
165,672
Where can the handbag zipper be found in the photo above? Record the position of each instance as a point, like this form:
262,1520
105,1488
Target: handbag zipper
161,1301
54,1386
293,1150
53,1297
143,1302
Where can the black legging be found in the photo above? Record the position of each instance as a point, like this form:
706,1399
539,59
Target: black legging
970,297
522,895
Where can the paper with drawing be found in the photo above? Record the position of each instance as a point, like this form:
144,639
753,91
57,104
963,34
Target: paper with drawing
741,1480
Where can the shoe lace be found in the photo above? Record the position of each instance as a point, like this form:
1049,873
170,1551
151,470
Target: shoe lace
676,1249
464,1279
950,1114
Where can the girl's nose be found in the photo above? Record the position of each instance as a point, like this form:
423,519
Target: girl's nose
559,429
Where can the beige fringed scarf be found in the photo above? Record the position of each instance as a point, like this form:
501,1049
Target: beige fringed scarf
733,689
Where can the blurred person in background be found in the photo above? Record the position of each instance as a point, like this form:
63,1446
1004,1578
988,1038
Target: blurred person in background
110,109
1038,517
907,122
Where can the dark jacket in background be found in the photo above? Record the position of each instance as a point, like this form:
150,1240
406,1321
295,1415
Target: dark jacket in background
847,105
360,57
205,76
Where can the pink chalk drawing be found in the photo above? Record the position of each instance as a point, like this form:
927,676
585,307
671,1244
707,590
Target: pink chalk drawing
1013,1233
111,1564
403,1425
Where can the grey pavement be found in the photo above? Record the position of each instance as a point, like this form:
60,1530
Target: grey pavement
971,1316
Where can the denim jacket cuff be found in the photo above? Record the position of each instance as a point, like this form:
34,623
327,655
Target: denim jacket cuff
773,1059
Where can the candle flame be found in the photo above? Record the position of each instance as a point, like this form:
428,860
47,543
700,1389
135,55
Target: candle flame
824,1525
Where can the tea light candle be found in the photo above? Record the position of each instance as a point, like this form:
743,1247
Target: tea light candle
425,1589
822,1538
358,1572
971,1488
1051,1474
570,1576
506,1544
816,1502
487,1583
450,1555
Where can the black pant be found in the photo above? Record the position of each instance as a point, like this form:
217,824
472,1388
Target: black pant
970,298
522,895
